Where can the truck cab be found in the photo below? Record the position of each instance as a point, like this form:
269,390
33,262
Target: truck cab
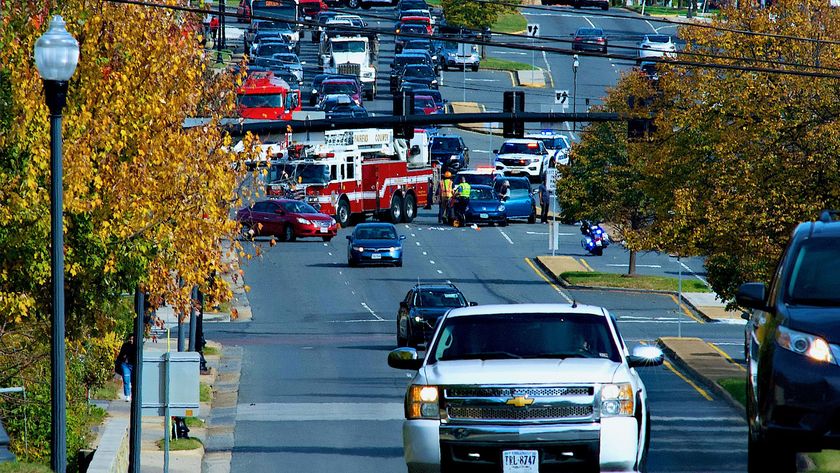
267,97
351,55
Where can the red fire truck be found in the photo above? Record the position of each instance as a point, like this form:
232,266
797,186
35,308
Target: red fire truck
267,97
353,174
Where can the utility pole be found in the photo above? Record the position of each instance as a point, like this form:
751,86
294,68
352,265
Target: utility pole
575,64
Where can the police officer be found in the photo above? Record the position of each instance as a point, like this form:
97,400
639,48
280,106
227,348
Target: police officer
444,193
462,194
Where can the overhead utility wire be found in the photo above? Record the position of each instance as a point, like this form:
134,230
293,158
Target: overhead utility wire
633,48
522,47
664,20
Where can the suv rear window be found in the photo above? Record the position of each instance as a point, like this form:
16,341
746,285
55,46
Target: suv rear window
514,336
815,276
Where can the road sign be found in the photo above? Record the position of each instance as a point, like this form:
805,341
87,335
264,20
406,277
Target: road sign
561,97
533,30
551,180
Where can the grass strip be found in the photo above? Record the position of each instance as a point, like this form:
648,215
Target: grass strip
512,22
180,444
210,351
194,422
736,387
492,63
660,283
22,467
205,393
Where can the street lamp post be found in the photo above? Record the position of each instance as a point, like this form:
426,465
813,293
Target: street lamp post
575,64
56,57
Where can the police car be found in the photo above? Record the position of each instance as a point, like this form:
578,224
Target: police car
557,145
522,156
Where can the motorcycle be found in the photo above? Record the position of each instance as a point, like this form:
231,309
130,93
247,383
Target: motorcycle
595,239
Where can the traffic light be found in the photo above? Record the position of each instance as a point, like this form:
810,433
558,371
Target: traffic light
403,105
641,127
514,102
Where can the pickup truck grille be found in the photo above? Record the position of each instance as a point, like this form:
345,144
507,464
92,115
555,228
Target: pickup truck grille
528,392
513,413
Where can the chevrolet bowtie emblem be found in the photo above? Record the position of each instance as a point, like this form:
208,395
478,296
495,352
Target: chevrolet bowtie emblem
520,401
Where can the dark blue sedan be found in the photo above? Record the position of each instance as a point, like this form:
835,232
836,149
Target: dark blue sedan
376,243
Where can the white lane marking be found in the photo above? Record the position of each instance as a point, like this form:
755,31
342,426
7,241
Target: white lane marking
505,235
439,271
651,26
518,53
482,80
651,321
325,244
432,261
694,274
340,273
633,317
354,292
406,226
417,243
480,151
307,348
413,235
536,233
697,419
448,282
319,411
721,451
367,307
638,265
356,321
589,21
329,253
424,253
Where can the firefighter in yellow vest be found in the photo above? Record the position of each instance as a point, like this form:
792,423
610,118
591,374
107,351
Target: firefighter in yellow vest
444,194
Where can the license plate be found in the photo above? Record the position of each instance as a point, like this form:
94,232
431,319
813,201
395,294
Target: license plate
323,229
598,243
520,461
375,256
483,215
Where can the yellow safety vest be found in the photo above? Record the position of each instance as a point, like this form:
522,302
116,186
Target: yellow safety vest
464,189
446,188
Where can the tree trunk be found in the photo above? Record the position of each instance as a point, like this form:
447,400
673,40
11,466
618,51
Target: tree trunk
631,267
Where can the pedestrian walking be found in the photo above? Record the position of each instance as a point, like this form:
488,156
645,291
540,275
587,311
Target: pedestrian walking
126,360
544,201
214,29
444,194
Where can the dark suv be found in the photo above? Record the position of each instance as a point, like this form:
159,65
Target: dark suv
793,350
422,307
450,152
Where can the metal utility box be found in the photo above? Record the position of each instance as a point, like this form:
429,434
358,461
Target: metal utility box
183,384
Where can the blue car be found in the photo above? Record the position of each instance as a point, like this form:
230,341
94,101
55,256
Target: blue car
521,203
483,207
376,243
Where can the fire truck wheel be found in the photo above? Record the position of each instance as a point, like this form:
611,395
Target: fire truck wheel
395,212
409,208
342,214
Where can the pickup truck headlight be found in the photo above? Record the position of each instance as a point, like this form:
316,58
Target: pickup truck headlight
422,402
617,400
805,344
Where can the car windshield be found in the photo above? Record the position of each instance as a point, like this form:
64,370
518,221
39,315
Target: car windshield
506,336
414,29
424,45
520,148
260,100
482,193
659,39
446,144
339,88
299,207
403,60
590,32
815,277
348,47
419,71
272,48
301,173
424,102
431,298
376,233
273,25
286,58
553,143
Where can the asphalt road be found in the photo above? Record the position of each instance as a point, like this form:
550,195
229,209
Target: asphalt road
316,394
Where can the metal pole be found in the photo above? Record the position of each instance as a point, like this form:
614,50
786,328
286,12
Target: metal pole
166,417
533,47
56,95
554,236
679,297
193,323
135,434
217,39
574,95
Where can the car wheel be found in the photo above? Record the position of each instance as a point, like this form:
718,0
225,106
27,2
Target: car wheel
764,455
533,217
398,263
352,263
288,233
402,338
598,251
605,7
445,67
475,68
327,238
368,94
503,223
409,208
395,212
342,213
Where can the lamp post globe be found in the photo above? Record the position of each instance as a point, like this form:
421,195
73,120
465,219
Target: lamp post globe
56,57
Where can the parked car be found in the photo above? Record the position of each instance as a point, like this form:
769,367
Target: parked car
521,202
548,386
285,218
375,243
590,39
450,151
792,350
656,45
422,308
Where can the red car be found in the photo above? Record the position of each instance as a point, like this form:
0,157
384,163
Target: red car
287,219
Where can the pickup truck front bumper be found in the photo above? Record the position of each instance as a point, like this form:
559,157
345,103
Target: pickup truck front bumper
434,447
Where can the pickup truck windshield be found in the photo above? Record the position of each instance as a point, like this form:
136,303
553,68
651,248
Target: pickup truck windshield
521,336
815,277
349,47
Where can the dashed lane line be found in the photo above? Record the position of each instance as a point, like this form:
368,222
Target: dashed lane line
550,282
367,307
506,236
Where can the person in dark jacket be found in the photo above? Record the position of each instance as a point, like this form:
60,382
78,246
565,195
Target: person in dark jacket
126,360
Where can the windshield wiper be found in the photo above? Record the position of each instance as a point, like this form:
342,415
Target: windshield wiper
491,355
560,355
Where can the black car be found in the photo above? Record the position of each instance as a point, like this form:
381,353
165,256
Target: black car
450,151
322,18
792,345
400,62
422,44
345,110
420,74
422,307
590,39
410,28
404,5
316,92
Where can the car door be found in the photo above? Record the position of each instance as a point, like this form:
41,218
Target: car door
276,217
259,221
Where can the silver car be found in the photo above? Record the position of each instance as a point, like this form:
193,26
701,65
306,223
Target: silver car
292,62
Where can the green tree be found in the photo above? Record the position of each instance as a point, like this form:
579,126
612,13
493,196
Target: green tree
475,15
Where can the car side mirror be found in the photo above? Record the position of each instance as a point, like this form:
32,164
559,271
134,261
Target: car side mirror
752,295
495,151
473,303
348,237
402,237
646,355
415,150
403,305
405,359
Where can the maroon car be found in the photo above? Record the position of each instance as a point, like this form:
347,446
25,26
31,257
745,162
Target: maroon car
287,219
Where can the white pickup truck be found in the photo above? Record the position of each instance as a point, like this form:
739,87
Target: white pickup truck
351,55
526,388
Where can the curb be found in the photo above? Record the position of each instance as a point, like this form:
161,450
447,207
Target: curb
568,285
699,377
